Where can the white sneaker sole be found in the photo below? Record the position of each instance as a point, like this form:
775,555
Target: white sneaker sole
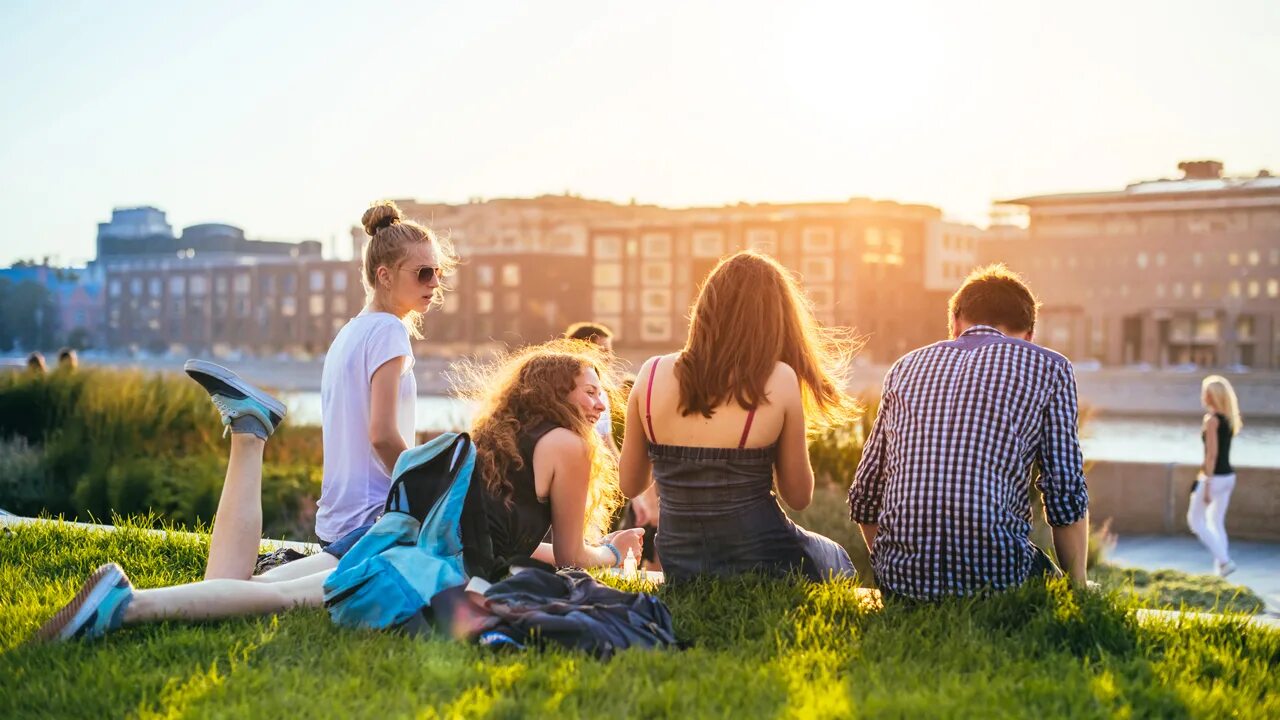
235,381
76,613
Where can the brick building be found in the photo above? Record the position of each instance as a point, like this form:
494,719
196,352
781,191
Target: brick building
532,266
1165,272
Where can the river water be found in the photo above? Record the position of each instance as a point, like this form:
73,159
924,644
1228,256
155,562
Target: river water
1115,438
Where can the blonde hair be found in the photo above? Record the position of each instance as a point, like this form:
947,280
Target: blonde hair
1222,397
390,237
527,388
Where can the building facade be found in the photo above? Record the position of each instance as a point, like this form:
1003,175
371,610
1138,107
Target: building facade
532,266
211,290
1162,273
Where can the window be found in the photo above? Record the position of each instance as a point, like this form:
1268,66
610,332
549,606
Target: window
1233,258
288,306
288,284
1159,290
511,275
763,240
451,303
1233,288
1244,328
818,240
316,305
338,303
1177,290
484,302
339,281
1159,259
656,301
1197,289
818,269
1255,257
154,287
607,274
1142,261
241,283
1197,259
1254,288
317,280
177,286
656,245
893,254
199,285
607,302
823,299
708,244
511,302
113,288
873,242
656,273
1273,288
656,329
608,247
135,286
484,275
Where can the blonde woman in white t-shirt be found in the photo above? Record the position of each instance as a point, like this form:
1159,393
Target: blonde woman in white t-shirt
368,394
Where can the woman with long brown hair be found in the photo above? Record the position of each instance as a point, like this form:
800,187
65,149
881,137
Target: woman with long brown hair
539,464
715,423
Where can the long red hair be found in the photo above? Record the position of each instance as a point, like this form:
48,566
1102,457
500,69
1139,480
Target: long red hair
751,314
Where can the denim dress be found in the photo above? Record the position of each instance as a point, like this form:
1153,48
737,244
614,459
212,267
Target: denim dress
719,515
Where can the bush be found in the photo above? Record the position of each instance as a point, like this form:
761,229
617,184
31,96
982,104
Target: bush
130,442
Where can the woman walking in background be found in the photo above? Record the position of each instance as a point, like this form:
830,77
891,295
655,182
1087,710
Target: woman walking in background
1211,493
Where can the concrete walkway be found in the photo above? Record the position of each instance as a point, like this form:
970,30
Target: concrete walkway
1258,562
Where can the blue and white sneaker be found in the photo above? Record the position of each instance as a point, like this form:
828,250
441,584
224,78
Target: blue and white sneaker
97,609
244,408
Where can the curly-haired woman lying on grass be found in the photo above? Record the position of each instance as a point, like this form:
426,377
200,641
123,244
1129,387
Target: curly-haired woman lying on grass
539,463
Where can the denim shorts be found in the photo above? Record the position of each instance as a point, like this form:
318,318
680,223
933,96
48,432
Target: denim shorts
343,545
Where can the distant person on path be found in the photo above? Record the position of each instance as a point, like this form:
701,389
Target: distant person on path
539,464
68,360
36,363
941,491
642,511
714,424
1211,493
368,392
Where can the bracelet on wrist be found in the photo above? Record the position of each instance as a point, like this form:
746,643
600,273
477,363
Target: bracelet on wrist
617,556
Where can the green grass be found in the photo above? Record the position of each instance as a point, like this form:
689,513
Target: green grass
760,649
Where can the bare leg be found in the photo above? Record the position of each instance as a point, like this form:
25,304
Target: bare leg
224,598
320,562
237,528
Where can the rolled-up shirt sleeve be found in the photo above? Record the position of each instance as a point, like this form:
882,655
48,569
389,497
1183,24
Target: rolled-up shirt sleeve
868,480
1061,480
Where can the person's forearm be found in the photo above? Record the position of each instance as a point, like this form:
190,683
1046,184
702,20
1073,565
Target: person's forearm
1071,543
388,450
588,556
869,531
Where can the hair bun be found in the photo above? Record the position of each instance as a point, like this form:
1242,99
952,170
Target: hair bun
381,214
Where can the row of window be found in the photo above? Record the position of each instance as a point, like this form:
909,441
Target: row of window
712,244
288,306
1251,289
239,283
1188,223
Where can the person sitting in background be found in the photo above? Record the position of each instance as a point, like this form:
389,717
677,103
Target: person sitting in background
36,363
714,423
67,359
1211,493
941,490
642,510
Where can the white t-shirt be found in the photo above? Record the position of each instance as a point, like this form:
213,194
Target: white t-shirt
354,488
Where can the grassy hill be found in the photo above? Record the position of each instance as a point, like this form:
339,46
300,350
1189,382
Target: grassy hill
758,649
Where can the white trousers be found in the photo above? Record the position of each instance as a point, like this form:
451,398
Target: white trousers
1208,511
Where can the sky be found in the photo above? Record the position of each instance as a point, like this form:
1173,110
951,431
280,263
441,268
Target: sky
288,118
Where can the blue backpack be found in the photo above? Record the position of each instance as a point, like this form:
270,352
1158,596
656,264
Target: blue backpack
415,549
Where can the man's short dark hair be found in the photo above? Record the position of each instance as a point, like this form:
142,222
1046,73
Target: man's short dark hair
591,332
994,295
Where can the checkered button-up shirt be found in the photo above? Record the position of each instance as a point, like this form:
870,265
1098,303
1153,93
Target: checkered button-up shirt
945,470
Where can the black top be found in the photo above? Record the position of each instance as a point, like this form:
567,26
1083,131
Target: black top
512,527
1223,464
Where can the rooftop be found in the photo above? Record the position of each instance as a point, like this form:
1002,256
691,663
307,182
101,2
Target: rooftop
1201,179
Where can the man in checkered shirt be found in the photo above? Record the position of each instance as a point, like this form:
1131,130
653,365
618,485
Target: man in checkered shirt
941,492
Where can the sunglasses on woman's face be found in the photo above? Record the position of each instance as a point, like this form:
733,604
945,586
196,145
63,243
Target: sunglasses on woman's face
426,273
